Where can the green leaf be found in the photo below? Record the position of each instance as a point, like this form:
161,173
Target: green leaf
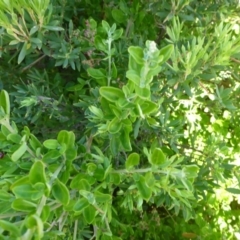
157,157
5,131
37,173
5,102
10,227
19,152
75,181
137,54
34,142
99,44
132,160
15,138
71,154
102,197
149,107
34,221
24,205
89,214
144,190
111,94
53,28
80,205
27,192
51,144
133,76
191,171
114,126
88,195
115,145
166,52
83,184
149,179
22,53
118,15
67,138
125,140
45,213
105,26
233,190
5,196
99,75
117,34
51,156
60,192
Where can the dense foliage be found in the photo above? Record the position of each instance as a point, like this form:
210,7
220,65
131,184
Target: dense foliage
119,119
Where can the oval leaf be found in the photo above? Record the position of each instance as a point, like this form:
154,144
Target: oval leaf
132,160
111,94
157,157
37,173
19,152
60,192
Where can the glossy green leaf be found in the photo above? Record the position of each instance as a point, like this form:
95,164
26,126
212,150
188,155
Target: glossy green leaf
115,144
19,152
118,15
22,53
24,205
102,197
166,52
34,142
96,73
115,178
144,190
133,76
10,227
60,192
99,44
137,54
5,102
37,173
114,126
149,107
51,144
111,94
117,34
34,221
149,179
80,205
67,138
51,156
125,140
20,181
71,154
75,181
53,28
89,214
105,25
5,131
191,171
15,138
83,184
45,213
157,157
88,195
132,160
5,196
28,192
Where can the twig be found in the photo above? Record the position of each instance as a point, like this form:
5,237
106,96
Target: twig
33,63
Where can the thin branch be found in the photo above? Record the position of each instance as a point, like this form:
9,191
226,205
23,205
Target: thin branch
33,63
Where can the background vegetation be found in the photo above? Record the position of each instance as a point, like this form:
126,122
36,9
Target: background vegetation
124,119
